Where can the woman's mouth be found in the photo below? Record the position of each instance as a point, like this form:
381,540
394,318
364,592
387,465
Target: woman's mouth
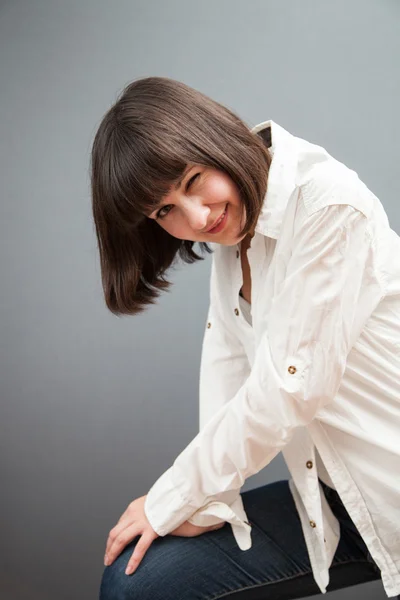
221,222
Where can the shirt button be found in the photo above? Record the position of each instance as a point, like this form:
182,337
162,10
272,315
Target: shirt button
237,254
309,464
208,325
313,524
236,312
292,370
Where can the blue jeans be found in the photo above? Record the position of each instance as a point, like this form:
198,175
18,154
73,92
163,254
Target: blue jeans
212,566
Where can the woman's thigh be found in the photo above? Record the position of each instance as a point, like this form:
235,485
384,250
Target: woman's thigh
212,566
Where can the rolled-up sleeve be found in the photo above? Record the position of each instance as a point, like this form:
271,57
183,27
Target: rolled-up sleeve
329,290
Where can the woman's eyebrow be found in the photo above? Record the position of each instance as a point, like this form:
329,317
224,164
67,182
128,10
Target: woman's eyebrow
181,178
175,187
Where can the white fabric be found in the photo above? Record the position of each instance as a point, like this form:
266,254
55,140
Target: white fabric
318,369
320,467
246,309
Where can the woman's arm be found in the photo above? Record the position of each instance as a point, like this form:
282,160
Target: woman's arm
224,368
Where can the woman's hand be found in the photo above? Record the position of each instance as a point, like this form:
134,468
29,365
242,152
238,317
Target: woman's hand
134,522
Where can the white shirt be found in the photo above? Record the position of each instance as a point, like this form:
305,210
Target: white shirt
245,307
316,375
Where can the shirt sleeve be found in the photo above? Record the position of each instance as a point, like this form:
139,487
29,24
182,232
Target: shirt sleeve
329,290
224,367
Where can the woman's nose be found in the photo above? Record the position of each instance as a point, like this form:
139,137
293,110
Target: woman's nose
198,217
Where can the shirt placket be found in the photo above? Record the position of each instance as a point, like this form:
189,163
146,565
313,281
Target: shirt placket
299,455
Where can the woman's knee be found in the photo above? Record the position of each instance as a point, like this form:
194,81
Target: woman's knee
155,577
115,584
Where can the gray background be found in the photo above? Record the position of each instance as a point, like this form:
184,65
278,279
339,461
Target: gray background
95,408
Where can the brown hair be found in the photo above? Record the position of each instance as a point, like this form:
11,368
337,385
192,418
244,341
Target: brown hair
143,144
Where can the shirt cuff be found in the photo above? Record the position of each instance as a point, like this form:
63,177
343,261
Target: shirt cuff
166,509
217,512
164,506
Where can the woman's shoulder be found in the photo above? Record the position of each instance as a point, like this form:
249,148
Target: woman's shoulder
331,182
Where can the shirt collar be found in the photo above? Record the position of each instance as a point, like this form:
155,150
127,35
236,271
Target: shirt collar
281,178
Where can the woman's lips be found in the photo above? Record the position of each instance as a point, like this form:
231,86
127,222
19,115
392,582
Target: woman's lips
221,225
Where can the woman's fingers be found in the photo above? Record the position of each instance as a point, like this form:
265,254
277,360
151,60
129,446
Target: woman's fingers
133,514
132,523
140,550
120,536
123,523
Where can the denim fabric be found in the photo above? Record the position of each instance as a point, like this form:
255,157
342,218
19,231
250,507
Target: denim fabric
212,566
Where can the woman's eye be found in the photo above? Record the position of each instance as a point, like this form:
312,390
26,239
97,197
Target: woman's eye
189,183
159,215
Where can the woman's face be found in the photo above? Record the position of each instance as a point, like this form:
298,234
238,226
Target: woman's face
197,202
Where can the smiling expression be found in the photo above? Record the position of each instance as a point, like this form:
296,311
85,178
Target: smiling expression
196,202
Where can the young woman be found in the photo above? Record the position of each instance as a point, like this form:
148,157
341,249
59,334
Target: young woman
301,353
